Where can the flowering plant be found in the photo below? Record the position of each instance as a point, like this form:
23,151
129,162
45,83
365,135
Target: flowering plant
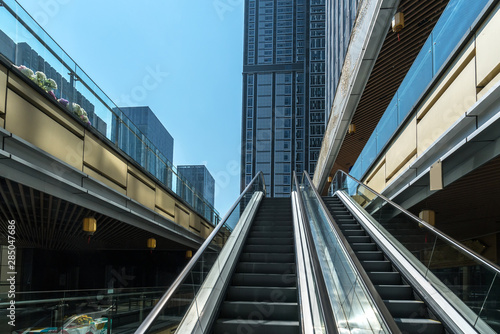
76,109
26,71
49,85
39,78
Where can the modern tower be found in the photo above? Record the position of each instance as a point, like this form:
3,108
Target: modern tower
201,179
147,122
139,133
283,117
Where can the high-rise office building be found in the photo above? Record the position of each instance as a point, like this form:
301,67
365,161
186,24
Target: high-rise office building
201,180
283,90
140,134
147,122
340,18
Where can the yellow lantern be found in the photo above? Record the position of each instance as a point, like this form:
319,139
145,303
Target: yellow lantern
352,129
89,225
398,22
151,243
189,254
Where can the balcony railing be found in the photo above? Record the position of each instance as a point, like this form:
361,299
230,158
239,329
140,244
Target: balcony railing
24,42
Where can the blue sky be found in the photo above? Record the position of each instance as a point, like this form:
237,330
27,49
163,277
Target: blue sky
193,47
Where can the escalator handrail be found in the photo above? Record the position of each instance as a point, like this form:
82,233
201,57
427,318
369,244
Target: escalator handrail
144,326
382,308
430,228
330,324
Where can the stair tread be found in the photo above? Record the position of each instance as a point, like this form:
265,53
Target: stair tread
417,320
268,263
260,322
238,302
275,287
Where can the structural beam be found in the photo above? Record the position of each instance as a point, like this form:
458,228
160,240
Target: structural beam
368,35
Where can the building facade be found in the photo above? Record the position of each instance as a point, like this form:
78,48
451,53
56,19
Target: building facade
283,90
201,180
147,122
132,127
341,16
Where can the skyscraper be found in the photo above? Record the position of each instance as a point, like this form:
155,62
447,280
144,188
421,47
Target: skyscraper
201,180
140,134
283,90
149,124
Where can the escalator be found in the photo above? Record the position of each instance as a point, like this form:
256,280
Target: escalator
262,294
410,313
427,281
353,262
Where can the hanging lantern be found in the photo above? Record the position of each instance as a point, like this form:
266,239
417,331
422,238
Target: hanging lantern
398,22
89,225
428,216
189,254
352,129
151,243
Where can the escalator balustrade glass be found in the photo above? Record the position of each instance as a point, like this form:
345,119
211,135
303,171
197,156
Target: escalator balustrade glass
469,281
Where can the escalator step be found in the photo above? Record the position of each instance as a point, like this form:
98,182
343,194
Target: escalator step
265,310
279,249
272,229
350,227
406,308
427,326
359,239
345,221
250,293
258,280
265,268
370,255
256,326
385,278
364,247
377,265
269,222
395,292
270,240
267,257
351,233
257,234
341,217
